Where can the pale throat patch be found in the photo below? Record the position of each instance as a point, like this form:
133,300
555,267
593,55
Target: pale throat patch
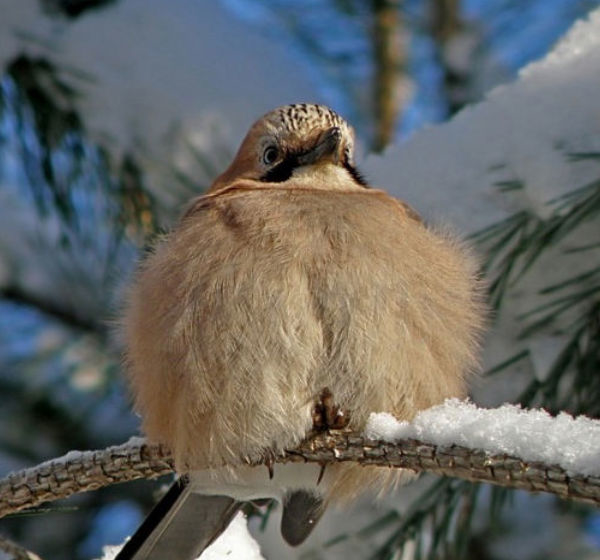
325,176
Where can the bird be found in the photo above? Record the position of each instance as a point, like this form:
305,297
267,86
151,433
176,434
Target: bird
291,296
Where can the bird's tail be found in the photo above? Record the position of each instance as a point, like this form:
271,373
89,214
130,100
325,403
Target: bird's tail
180,526
302,509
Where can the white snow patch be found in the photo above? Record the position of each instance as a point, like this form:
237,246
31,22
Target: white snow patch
532,435
235,543
522,131
156,76
110,552
76,456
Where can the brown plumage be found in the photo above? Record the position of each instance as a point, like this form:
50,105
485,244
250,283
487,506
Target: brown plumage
287,277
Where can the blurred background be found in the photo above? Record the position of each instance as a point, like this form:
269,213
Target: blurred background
114,113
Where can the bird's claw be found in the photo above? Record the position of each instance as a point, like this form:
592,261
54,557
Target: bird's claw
327,415
269,462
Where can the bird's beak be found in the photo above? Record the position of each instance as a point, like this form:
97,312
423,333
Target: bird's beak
327,145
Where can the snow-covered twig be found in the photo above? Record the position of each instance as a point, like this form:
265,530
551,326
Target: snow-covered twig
90,470
82,471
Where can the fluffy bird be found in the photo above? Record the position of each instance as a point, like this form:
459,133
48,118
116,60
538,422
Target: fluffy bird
290,293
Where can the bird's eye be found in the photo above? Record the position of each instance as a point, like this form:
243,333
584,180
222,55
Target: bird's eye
270,155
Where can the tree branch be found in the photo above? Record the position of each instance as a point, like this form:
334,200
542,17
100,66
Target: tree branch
16,294
11,551
447,30
90,470
389,61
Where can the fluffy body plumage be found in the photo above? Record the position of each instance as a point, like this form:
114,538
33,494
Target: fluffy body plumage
270,290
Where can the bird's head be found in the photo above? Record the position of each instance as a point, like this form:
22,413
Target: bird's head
296,141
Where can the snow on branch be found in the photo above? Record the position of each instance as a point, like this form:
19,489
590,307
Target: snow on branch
573,444
508,446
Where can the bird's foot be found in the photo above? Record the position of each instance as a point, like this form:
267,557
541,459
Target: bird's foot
269,462
327,415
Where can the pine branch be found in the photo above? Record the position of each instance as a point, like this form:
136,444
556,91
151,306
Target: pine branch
80,472
16,294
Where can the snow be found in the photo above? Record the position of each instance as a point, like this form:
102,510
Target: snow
532,435
235,543
77,456
522,132
527,127
110,552
157,77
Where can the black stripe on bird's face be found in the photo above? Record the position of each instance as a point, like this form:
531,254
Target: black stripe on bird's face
355,174
284,169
